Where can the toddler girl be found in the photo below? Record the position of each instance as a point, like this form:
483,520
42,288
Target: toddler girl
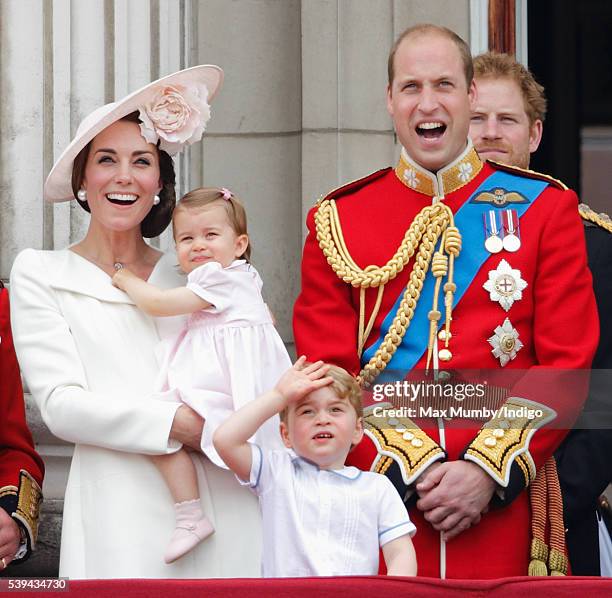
227,354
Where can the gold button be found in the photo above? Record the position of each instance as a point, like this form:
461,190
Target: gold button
442,335
445,355
498,433
490,441
408,436
503,424
400,429
392,421
416,442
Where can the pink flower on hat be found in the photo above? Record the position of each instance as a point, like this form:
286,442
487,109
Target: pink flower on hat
175,116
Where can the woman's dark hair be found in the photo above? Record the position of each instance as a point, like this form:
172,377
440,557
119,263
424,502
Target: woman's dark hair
160,215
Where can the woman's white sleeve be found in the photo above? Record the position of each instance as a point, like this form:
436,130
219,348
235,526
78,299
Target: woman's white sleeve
52,368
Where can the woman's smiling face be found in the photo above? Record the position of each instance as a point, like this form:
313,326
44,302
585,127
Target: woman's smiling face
121,177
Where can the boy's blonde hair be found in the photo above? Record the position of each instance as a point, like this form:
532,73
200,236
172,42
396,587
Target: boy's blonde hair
344,385
205,196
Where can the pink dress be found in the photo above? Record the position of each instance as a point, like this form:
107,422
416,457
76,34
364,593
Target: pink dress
227,354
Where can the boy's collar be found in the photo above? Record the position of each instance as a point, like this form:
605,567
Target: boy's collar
349,473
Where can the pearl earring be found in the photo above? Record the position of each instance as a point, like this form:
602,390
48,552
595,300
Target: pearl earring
82,194
156,200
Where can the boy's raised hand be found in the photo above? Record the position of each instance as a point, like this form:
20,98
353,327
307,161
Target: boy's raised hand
231,438
300,380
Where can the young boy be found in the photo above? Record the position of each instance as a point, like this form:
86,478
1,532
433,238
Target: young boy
319,517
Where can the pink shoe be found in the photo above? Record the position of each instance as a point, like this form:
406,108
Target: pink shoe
191,528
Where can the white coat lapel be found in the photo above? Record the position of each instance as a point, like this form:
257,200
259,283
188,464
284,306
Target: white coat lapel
70,272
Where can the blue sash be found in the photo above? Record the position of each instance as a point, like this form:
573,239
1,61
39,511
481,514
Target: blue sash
469,221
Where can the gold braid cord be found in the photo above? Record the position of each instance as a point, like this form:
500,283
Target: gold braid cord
547,505
539,548
557,561
600,219
431,224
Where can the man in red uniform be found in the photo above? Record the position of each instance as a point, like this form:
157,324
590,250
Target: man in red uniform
507,123
21,468
387,287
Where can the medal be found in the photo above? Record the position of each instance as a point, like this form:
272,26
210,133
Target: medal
512,238
493,242
505,285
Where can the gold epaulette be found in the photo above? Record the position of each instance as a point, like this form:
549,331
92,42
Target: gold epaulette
400,439
600,219
530,174
353,185
505,438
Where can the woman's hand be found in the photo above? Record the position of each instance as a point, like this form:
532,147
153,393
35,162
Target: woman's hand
187,427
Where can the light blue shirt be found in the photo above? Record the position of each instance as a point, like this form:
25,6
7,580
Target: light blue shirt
323,522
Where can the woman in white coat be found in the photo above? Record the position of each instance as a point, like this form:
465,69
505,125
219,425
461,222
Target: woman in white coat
87,352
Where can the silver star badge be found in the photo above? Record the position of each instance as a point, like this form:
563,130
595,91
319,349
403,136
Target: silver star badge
505,285
505,342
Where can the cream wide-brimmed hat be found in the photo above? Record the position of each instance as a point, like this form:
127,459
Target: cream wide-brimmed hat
174,110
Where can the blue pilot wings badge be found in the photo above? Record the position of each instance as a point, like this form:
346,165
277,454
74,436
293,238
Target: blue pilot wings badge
499,197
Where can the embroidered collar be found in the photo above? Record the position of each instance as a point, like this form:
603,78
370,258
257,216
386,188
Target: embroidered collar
448,179
350,473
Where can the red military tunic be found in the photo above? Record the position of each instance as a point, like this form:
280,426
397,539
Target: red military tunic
556,321
21,468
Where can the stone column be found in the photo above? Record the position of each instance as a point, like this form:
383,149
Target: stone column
253,145
23,137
